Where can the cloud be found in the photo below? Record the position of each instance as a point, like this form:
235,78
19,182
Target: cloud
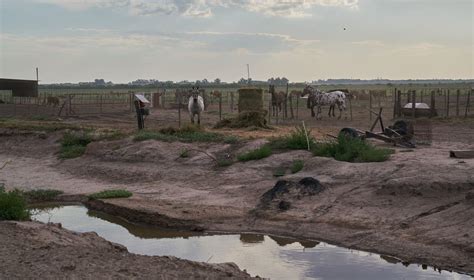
205,8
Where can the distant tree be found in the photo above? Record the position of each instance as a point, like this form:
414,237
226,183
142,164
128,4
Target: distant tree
99,82
217,81
242,81
205,82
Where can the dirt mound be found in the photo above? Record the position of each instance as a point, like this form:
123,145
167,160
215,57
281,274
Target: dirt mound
31,250
284,192
245,119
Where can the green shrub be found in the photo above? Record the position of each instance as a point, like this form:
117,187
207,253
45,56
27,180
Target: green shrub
262,152
297,140
13,206
111,194
352,150
41,195
76,139
144,135
296,166
74,145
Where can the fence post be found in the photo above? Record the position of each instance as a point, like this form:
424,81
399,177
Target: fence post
413,104
291,106
370,104
232,101
297,106
458,93
100,100
350,106
395,102
447,103
179,109
399,103
269,110
422,92
286,102
220,106
468,105
433,104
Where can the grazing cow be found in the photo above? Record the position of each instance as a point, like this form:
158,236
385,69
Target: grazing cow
278,99
195,104
319,99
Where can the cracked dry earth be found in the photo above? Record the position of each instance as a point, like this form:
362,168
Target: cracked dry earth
417,206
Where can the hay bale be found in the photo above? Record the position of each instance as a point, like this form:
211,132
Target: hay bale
250,99
245,119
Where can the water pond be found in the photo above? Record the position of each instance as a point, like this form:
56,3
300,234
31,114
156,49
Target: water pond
263,255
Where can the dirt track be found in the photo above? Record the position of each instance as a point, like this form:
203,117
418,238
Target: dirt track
417,206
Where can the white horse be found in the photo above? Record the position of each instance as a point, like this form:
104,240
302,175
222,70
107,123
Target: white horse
195,105
319,98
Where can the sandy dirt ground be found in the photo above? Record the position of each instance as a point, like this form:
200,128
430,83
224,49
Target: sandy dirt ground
50,252
417,206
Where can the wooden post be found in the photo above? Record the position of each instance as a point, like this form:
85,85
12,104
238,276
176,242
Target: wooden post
421,95
179,108
297,106
350,106
447,103
291,106
232,101
276,115
269,110
100,103
286,102
413,104
399,103
220,106
468,102
395,103
458,93
433,104
370,104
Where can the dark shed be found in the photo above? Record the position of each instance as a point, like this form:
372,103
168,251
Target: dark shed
20,88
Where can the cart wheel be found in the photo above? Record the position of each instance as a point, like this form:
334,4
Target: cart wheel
348,132
404,128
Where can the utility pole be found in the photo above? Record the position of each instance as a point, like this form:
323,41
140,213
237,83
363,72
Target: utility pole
37,77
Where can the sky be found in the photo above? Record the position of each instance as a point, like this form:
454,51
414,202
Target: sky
302,40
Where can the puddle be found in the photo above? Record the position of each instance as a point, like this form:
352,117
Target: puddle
263,255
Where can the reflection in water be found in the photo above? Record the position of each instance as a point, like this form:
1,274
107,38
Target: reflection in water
266,256
249,238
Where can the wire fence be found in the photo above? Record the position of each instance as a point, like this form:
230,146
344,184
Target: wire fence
361,105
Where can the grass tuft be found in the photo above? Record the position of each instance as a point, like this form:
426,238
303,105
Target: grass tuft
352,150
41,195
297,140
74,144
13,206
111,194
262,152
296,166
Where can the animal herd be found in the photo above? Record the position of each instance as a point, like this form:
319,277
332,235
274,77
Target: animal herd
316,98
